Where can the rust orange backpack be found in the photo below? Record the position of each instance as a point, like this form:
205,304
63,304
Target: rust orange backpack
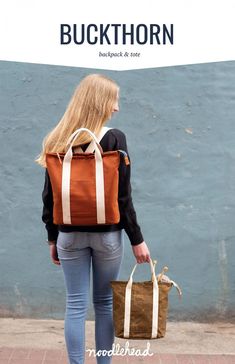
85,185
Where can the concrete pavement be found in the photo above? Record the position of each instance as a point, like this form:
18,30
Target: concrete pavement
42,341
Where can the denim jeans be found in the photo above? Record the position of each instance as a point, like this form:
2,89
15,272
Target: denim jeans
77,252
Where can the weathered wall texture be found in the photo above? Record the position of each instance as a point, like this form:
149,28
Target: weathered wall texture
180,128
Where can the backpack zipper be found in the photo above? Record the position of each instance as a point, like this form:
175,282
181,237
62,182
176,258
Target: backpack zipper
126,159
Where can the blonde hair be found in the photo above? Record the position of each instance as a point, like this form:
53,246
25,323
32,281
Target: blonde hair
90,107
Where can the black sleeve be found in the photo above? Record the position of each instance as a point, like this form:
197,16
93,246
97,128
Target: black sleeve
47,212
127,211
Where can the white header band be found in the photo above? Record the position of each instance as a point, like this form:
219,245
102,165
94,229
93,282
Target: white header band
128,35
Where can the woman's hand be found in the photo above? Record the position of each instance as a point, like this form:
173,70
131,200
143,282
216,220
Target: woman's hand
141,252
54,254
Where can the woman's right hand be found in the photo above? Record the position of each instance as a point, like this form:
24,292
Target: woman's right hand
141,252
54,254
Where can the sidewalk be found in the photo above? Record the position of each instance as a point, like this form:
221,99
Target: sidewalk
42,342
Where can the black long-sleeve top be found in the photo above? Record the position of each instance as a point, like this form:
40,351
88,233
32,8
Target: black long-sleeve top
114,139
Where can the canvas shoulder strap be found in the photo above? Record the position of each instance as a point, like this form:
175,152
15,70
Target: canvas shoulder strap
91,146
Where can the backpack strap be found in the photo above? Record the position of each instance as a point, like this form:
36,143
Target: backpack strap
91,146
66,173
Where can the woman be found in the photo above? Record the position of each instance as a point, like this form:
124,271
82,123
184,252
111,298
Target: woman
77,248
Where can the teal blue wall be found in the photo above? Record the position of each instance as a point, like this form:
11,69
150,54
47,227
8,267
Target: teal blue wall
180,128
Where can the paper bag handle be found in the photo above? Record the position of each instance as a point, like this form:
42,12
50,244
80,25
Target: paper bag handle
152,267
127,309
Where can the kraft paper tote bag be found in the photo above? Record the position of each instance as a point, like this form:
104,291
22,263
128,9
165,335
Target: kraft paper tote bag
140,308
84,185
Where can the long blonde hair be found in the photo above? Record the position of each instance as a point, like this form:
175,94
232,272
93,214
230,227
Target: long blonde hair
90,107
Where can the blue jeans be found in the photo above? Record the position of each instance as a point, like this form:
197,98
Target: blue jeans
77,251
